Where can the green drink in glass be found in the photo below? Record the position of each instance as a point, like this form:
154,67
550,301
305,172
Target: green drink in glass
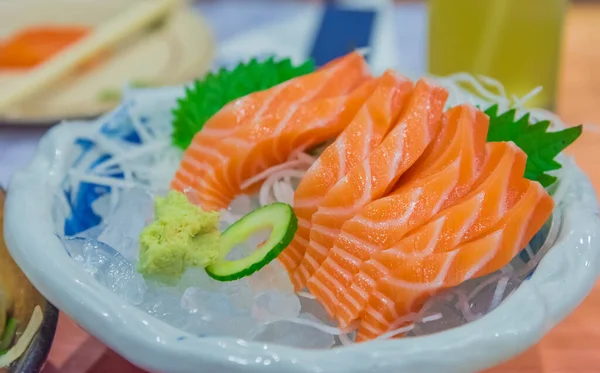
514,41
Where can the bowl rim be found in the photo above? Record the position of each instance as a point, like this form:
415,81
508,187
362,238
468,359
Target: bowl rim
535,307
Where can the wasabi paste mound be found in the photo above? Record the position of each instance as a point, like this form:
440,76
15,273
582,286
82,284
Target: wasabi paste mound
181,236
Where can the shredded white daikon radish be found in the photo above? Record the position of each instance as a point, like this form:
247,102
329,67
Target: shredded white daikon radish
499,292
266,195
143,133
464,305
101,180
395,332
519,102
149,148
486,97
289,165
412,317
346,339
493,83
491,279
435,317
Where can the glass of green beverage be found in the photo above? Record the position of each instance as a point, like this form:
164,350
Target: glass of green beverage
514,41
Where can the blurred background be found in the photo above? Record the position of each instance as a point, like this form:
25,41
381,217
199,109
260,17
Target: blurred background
523,43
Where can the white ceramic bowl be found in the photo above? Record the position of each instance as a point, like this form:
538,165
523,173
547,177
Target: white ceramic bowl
562,280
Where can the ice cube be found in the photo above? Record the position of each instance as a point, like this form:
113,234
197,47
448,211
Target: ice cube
197,278
272,277
124,280
242,326
239,292
92,233
215,313
208,305
125,223
166,307
274,305
108,267
296,335
102,205
313,307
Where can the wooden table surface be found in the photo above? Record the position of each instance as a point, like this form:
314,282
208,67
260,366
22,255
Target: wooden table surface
574,345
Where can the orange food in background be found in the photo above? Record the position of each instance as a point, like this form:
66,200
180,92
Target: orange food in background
34,45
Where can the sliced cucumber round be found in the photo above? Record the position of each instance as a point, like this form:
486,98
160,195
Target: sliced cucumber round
282,221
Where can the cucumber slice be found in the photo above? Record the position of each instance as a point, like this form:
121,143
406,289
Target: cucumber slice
279,217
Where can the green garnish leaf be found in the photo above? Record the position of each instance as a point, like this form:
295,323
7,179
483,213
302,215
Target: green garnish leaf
534,139
207,96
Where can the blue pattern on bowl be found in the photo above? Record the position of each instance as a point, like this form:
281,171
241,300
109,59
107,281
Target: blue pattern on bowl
117,127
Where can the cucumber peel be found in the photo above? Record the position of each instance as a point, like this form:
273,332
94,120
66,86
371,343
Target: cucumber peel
282,221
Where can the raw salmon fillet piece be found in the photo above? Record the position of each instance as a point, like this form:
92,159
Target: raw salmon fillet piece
370,125
417,277
241,124
312,123
444,175
374,176
476,213
496,190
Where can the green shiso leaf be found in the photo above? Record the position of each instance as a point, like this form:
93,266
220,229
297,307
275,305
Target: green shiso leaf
540,145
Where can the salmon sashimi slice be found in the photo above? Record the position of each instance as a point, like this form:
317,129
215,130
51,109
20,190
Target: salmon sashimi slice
387,220
260,113
272,103
299,135
497,191
367,129
437,156
253,107
415,278
374,176
314,122
477,213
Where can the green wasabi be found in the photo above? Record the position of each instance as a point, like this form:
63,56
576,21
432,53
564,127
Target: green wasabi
182,236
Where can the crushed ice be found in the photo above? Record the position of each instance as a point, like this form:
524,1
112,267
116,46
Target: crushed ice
258,307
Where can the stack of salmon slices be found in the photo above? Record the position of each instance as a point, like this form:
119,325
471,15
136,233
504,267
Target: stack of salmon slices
407,201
